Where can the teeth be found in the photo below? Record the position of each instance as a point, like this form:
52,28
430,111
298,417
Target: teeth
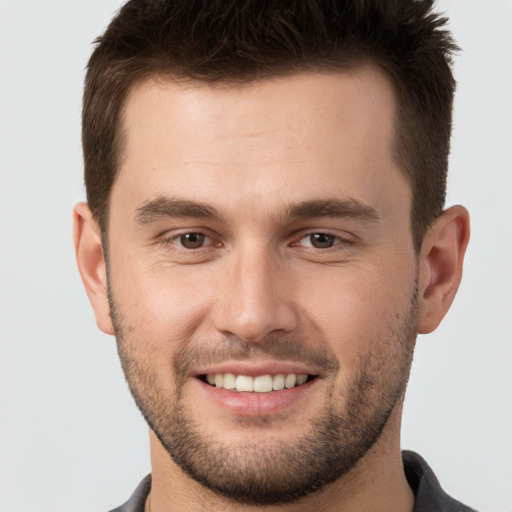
259,384
278,382
244,383
263,384
301,379
219,380
290,381
229,381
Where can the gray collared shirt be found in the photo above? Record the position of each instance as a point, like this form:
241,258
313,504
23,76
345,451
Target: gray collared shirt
429,496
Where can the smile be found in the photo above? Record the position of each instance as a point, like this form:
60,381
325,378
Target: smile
258,384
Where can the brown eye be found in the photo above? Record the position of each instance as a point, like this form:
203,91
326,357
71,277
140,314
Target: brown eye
319,241
322,241
192,240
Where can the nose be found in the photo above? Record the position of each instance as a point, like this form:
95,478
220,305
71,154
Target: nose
255,297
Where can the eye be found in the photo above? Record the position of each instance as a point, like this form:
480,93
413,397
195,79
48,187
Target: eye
319,240
192,240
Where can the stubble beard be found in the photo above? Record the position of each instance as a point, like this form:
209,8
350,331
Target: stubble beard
337,438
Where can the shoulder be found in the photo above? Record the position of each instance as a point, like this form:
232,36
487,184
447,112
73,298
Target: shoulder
428,493
137,501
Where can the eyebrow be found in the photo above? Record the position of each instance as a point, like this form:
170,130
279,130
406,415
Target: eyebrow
342,208
163,207
169,207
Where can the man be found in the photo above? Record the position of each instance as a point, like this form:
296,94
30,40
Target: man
265,236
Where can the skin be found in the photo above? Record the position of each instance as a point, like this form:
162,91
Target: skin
253,153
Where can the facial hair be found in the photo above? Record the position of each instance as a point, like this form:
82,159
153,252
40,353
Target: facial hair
277,473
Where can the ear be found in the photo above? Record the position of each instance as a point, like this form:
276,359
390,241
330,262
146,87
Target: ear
91,264
441,260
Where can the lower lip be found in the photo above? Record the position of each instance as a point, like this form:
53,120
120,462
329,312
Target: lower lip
256,404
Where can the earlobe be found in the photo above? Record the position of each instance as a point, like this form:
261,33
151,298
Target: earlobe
441,261
91,264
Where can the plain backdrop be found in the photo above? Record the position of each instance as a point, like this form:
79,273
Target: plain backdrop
70,437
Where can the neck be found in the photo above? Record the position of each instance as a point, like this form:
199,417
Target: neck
376,483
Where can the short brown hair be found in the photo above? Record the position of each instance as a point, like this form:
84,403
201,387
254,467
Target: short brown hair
235,41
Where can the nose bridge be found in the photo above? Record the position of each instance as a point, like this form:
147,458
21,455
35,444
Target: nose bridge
252,301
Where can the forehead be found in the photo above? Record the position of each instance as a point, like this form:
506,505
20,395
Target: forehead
361,99
229,142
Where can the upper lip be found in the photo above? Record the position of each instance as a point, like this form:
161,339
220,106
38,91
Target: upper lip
252,369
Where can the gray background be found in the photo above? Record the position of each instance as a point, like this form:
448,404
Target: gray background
70,437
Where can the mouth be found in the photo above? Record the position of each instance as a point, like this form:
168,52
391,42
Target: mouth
250,389
258,384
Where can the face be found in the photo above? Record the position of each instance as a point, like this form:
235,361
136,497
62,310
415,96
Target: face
262,276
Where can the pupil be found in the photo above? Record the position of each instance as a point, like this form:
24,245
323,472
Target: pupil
192,240
321,240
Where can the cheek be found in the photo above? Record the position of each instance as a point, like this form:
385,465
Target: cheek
163,307
356,309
